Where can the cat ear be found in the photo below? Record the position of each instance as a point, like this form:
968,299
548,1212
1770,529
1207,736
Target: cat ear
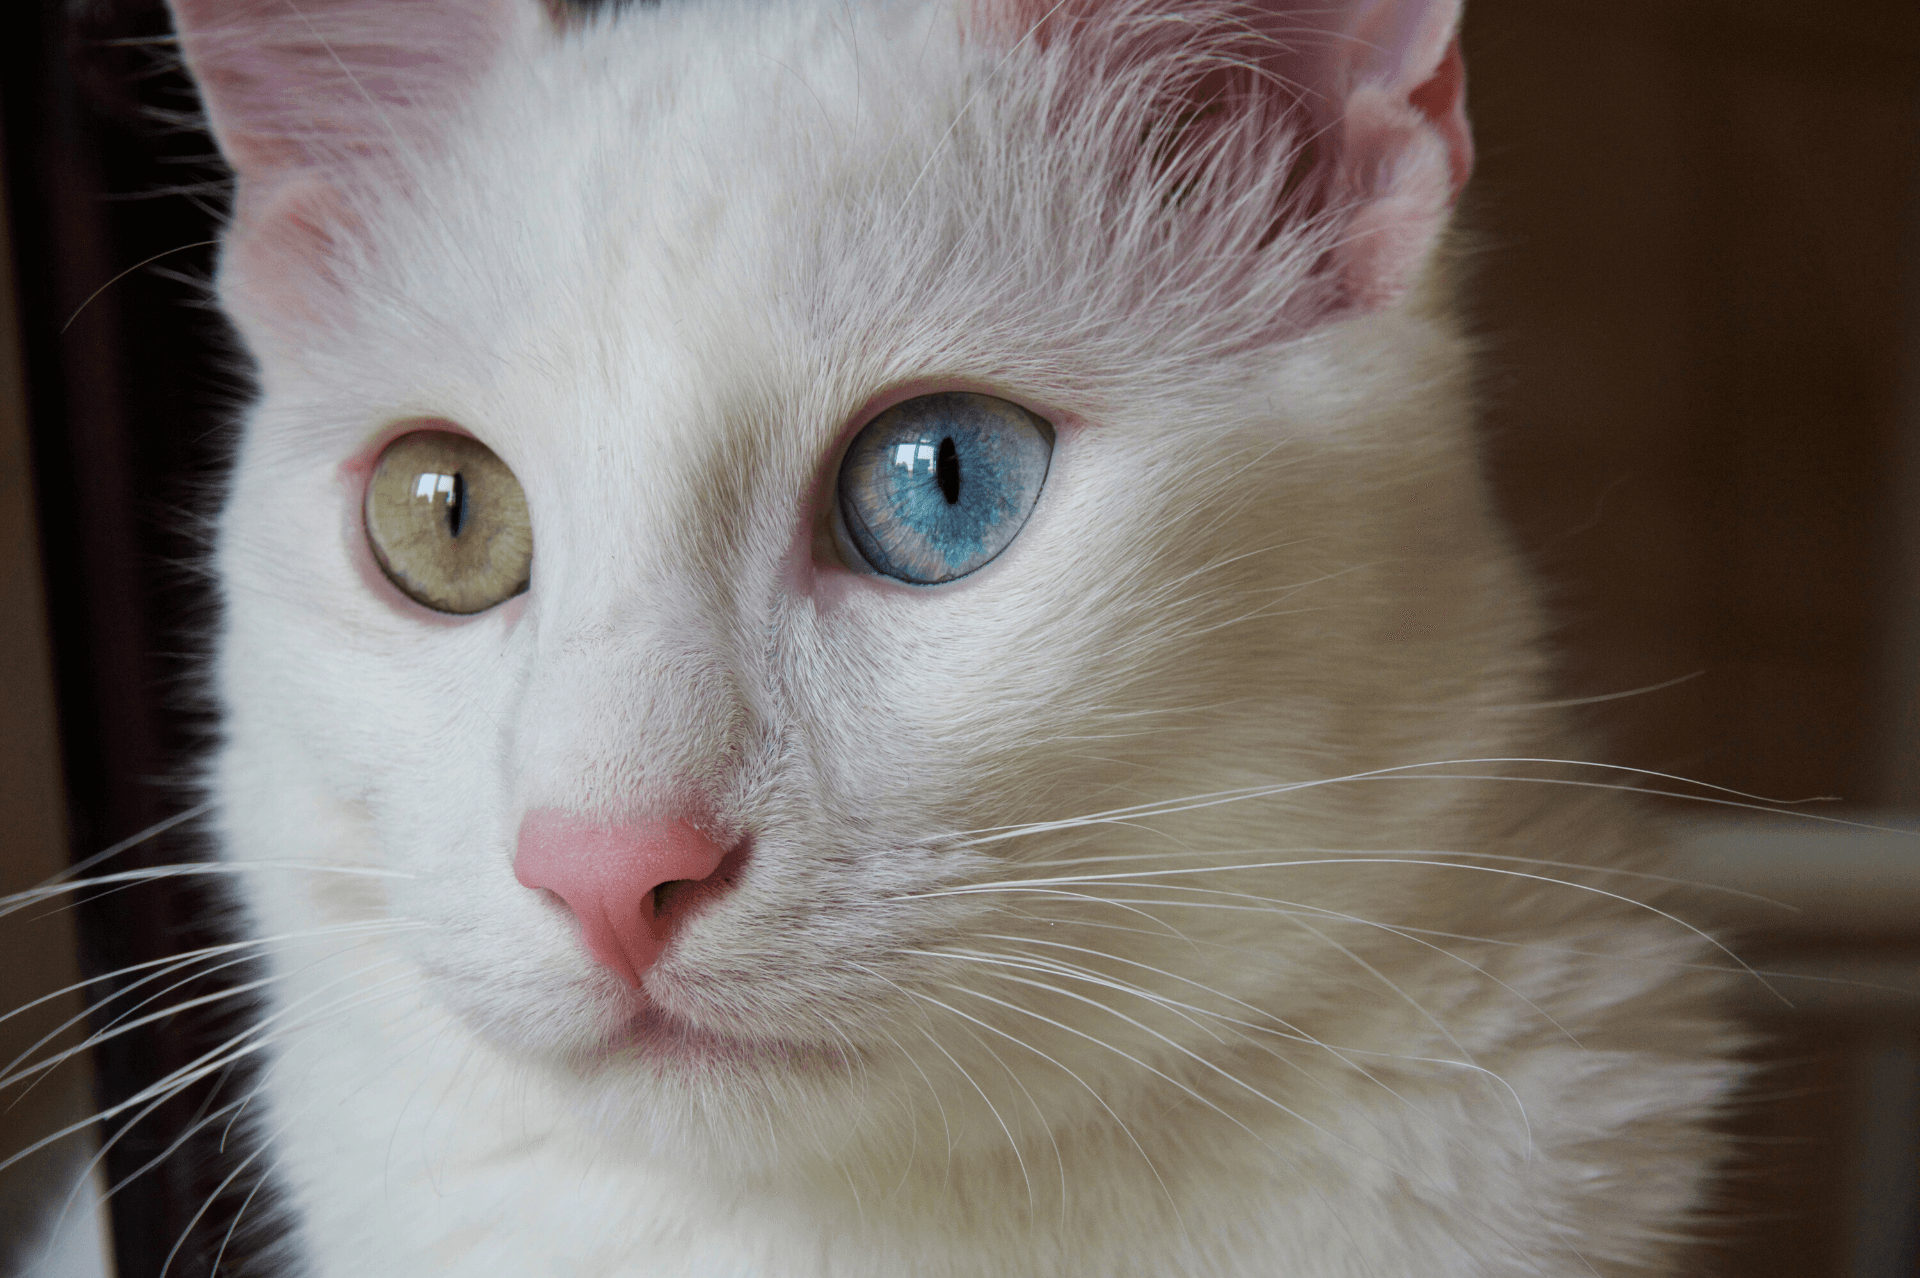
1393,86
303,95
1374,90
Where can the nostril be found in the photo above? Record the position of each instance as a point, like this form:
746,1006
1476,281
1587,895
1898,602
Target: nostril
663,894
629,885
676,900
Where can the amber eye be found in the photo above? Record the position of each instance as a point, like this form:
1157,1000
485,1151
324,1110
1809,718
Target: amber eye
448,522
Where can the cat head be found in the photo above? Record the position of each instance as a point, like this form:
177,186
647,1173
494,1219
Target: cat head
724,774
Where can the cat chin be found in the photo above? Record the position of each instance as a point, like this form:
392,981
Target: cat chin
659,1087
625,1039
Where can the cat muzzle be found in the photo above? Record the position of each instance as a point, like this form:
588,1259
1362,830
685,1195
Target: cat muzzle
629,885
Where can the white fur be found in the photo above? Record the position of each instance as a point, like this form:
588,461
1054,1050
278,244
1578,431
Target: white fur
659,264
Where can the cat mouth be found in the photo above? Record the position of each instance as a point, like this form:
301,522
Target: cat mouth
657,1036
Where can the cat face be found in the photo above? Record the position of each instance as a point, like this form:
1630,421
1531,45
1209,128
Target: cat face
824,799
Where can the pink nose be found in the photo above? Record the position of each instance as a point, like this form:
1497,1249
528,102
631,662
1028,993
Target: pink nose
629,885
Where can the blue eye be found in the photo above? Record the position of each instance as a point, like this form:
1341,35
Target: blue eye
935,487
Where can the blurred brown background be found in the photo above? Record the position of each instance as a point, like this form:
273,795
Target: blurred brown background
1696,227
1699,281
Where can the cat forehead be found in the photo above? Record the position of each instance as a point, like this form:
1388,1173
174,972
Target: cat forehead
713,159
667,222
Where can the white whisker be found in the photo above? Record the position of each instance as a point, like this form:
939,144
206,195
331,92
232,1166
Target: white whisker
1288,1033
132,841
121,1024
1099,1100
1041,884
1412,772
1012,1143
192,869
173,962
1346,854
244,950
1291,910
201,1067
1181,1086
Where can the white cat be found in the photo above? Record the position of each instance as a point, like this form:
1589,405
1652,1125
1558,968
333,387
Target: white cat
866,641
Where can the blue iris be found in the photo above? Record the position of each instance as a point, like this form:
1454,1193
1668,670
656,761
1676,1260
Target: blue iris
937,486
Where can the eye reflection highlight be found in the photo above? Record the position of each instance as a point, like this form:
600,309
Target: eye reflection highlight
431,485
911,455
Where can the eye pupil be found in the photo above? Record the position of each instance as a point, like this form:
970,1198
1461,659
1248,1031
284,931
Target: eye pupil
946,470
457,505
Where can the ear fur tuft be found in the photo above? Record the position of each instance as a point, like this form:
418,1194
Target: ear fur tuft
1369,95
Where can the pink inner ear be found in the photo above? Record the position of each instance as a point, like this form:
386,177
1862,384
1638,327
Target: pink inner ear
1410,48
1378,73
1443,100
1406,151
